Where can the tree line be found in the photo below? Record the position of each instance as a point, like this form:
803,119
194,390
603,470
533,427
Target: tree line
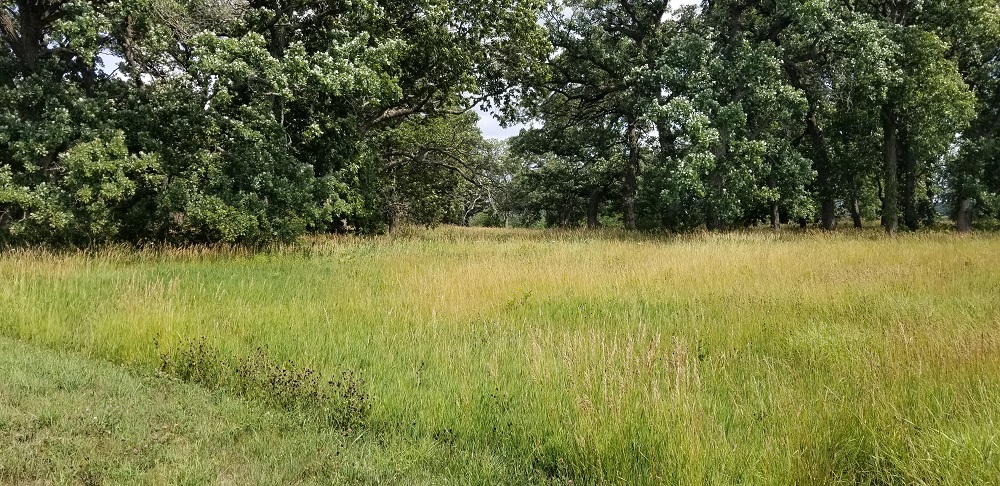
250,121
741,112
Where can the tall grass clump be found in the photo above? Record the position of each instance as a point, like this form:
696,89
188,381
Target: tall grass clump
342,401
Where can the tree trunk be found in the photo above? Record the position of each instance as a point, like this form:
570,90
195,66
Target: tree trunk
828,214
276,46
593,209
821,156
564,218
881,201
909,172
394,220
667,158
890,200
394,208
856,211
717,181
775,206
631,176
713,222
963,220
929,213
27,39
828,206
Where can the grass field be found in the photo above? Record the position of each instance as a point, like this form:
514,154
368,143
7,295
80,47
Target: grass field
65,419
503,356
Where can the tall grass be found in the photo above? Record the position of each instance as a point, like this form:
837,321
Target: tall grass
599,357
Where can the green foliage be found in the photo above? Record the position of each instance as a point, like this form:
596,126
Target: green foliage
754,111
257,122
565,177
90,200
242,123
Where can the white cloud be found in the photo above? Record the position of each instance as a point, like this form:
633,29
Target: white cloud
491,127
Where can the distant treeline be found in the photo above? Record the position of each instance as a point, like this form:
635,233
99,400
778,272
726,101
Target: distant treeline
250,121
744,112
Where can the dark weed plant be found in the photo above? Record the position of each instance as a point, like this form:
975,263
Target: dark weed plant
341,400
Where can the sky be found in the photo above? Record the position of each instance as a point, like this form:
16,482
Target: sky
491,127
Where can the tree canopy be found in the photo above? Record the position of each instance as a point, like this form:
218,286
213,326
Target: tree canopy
237,120
251,121
740,112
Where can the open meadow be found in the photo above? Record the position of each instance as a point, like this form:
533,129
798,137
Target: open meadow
515,356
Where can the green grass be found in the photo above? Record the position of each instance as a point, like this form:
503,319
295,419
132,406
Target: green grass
521,356
65,419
